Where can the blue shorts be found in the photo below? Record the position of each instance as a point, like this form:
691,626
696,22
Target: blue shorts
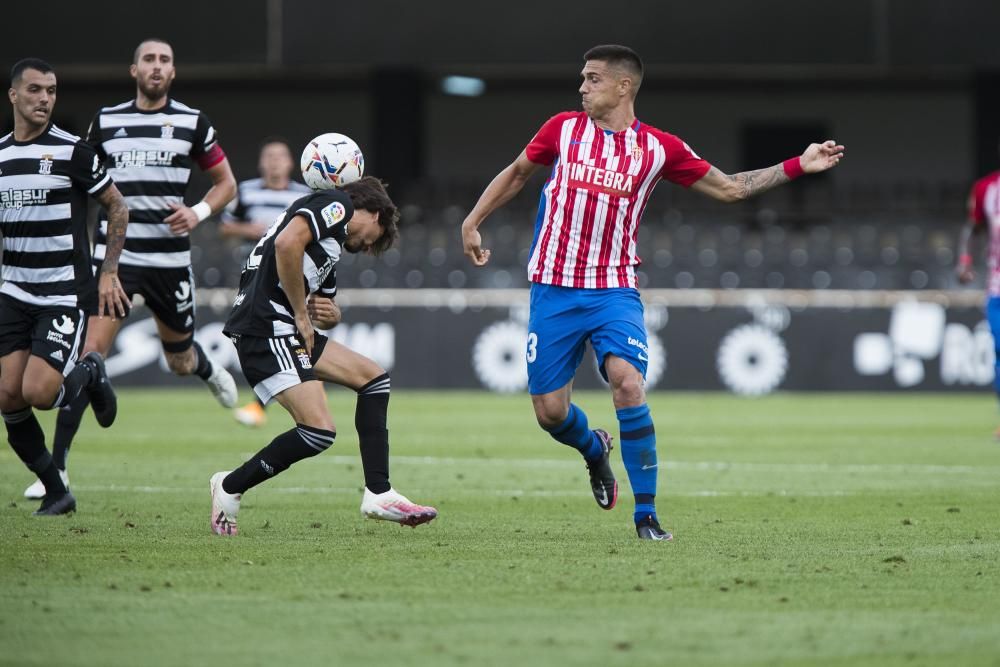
562,319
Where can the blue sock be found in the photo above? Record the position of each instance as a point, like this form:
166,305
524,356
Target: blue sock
576,433
638,444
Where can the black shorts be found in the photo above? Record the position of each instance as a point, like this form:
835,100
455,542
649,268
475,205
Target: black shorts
52,333
272,365
168,293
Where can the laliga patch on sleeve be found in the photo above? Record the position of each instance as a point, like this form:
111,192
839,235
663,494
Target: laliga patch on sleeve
333,213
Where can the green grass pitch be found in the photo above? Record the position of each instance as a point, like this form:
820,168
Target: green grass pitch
811,529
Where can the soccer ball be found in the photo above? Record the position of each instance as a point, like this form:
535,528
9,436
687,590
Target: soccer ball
330,161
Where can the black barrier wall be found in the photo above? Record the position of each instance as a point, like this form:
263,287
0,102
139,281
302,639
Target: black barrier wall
750,344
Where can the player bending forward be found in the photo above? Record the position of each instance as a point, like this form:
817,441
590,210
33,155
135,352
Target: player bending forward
287,286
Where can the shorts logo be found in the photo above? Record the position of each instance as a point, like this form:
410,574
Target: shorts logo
66,327
45,165
304,360
634,342
183,296
57,355
333,213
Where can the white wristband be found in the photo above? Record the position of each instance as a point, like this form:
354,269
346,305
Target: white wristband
202,210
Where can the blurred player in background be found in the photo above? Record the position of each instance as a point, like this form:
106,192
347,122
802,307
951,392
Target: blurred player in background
258,202
286,290
48,285
149,145
984,214
583,258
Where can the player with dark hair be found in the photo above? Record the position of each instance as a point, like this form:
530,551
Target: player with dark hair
258,202
984,214
48,285
149,145
287,289
605,163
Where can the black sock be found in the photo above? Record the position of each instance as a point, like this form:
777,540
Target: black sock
291,446
67,424
203,365
373,436
28,441
73,384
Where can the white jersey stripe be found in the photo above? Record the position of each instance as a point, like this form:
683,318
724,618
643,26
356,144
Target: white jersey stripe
35,214
146,203
152,260
20,274
60,243
10,289
178,175
144,230
159,144
36,151
127,120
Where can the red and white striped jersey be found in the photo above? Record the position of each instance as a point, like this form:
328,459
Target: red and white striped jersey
984,208
591,205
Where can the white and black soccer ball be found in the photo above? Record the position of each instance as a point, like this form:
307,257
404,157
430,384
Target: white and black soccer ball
330,161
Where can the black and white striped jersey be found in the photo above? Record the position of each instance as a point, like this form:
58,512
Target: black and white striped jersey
44,185
261,307
255,202
150,154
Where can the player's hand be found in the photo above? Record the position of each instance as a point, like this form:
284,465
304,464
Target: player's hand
965,273
182,220
323,312
111,296
820,157
306,330
473,244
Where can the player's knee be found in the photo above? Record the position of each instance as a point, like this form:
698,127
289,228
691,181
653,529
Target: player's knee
37,395
180,356
628,390
550,414
11,399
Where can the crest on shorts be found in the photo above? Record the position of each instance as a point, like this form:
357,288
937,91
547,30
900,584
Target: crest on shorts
65,327
45,165
304,360
167,131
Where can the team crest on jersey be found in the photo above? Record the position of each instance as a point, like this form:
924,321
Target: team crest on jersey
167,131
637,152
333,213
304,360
45,165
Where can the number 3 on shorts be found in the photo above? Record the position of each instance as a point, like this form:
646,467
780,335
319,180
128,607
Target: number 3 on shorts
532,347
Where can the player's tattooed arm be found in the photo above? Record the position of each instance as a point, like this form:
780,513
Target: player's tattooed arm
746,184
111,297
737,187
114,203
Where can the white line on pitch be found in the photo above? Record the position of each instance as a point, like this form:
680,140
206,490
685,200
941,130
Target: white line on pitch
535,493
719,466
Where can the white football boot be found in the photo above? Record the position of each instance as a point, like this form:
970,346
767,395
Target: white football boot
225,506
37,490
223,386
394,506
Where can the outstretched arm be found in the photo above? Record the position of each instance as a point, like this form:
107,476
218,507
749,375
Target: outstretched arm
501,190
737,187
110,294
